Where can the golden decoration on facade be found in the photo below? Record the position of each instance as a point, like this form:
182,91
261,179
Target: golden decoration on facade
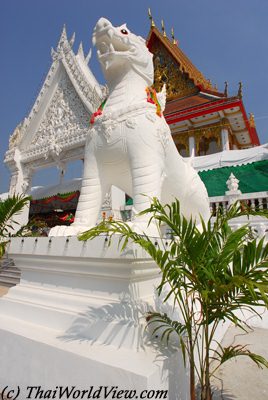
182,141
169,72
171,63
205,137
206,134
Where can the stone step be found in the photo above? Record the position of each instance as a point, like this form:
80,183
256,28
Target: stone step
9,273
10,270
6,262
13,270
8,281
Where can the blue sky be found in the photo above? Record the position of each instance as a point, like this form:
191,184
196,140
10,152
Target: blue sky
226,40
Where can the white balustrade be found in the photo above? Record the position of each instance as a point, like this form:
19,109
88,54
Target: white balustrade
255,201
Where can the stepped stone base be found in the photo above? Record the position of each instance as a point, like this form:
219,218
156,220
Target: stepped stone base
9,273
77,319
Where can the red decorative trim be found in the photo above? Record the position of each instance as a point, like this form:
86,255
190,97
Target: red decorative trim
200,110
217,106
64,198
252,131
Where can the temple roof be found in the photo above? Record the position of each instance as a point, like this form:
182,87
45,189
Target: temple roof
196,111
192,101
159,43
189,102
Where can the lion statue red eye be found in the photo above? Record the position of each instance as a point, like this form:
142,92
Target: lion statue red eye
124,31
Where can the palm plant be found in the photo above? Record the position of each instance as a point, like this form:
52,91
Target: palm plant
212,274
9,209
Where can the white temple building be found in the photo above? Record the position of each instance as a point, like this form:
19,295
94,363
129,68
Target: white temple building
55,129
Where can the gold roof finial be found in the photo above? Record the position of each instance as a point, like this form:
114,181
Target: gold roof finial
251,120
151,18
163,28
173,36
240,93
226,89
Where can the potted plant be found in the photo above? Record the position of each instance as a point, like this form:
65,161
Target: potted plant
212,274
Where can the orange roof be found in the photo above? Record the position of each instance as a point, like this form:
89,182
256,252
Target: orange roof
185,64
193,94
186,102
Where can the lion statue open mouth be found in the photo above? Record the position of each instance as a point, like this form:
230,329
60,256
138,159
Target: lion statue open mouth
129,144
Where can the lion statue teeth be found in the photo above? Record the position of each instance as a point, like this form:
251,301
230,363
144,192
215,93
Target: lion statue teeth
129,144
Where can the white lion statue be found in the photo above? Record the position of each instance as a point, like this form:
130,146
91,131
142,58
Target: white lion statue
129,144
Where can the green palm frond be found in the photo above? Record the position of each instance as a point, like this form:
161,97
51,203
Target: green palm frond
10,208
2,248
227,353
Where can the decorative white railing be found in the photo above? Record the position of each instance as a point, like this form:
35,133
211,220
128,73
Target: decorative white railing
258,225
256,201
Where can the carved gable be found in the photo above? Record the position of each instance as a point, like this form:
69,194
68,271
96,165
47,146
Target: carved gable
174,68
65,117
168,71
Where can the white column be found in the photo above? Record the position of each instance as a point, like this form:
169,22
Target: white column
225,139
13,182
19,184
191,146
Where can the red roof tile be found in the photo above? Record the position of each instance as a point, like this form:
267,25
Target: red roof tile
187,102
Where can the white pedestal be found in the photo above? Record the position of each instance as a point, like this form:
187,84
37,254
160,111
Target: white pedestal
77,319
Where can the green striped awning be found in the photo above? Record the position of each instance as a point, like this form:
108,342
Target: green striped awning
252,178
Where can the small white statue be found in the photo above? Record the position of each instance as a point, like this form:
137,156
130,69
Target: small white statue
129,144
232,183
